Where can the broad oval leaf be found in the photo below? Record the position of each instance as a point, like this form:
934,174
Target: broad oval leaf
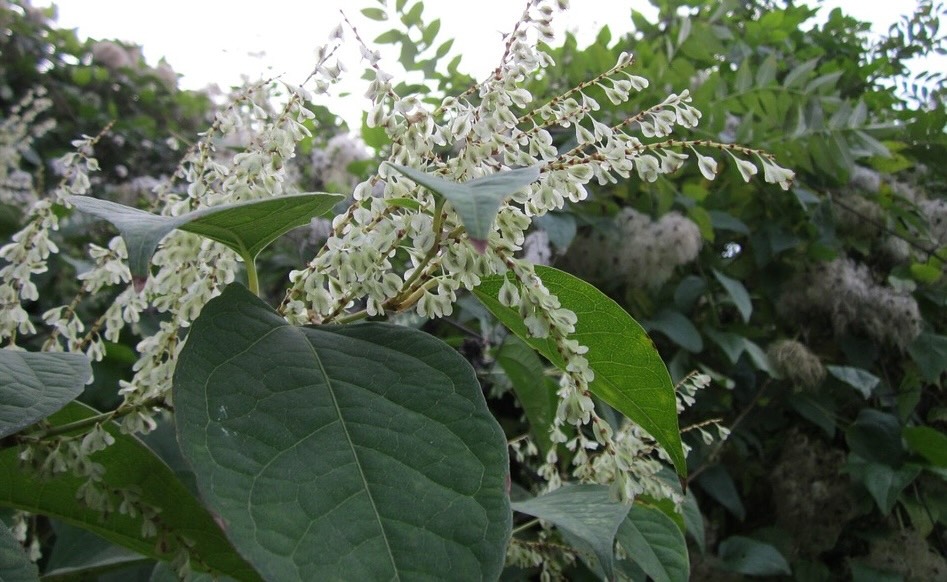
876,436
653,541
859,379
476,201
128,464
629,373
586,514
677,328
752,557
929,442
738,294
245,227
15,565
718,484
535,390
34,385
81,554
929,352
359,452
884,483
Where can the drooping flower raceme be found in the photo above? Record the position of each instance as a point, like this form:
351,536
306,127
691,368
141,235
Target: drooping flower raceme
397,248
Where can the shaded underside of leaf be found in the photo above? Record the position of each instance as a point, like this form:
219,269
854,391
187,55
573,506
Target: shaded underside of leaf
587,514
35,385
15,565
653,541
245,227
128,465
476,201
535,391
629,373
341,452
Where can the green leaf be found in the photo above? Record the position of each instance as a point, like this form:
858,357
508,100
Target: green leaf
884,483
34,385
718,484
818,410
752,557
799,73
535,391
929,442
15,565
245,227
876,436
738,295
587,513
929,352
374,14
339,451
732,344
694,520
926,273
859,379
654,542
374,137
128,465
629,373
677,328
560,227
79,553
390,37
476,201
163,572
862,572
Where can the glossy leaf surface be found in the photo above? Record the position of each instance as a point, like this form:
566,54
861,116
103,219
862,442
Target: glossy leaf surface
629,373
653,541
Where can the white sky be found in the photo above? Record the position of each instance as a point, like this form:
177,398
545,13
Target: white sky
217,41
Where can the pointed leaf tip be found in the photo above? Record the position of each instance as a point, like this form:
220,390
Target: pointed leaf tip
245,227
476,201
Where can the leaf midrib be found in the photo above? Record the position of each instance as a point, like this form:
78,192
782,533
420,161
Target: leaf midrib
351,444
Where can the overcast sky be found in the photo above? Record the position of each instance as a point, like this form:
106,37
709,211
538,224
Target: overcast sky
217,41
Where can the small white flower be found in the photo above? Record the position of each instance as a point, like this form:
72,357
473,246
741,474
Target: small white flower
707,165
774,174
747,168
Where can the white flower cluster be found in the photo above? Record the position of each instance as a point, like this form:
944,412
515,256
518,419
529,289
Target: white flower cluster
331,163
117,57
845,292
936,212
492,128
19,128
27,253
397,248
636,249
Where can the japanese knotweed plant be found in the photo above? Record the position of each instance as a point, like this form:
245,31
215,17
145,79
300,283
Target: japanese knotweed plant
326,442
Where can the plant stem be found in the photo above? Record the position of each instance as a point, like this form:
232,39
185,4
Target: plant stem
349,318
252,282
524,526
91,421
436,227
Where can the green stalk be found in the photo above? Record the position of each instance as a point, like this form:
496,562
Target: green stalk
86,423
252,282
